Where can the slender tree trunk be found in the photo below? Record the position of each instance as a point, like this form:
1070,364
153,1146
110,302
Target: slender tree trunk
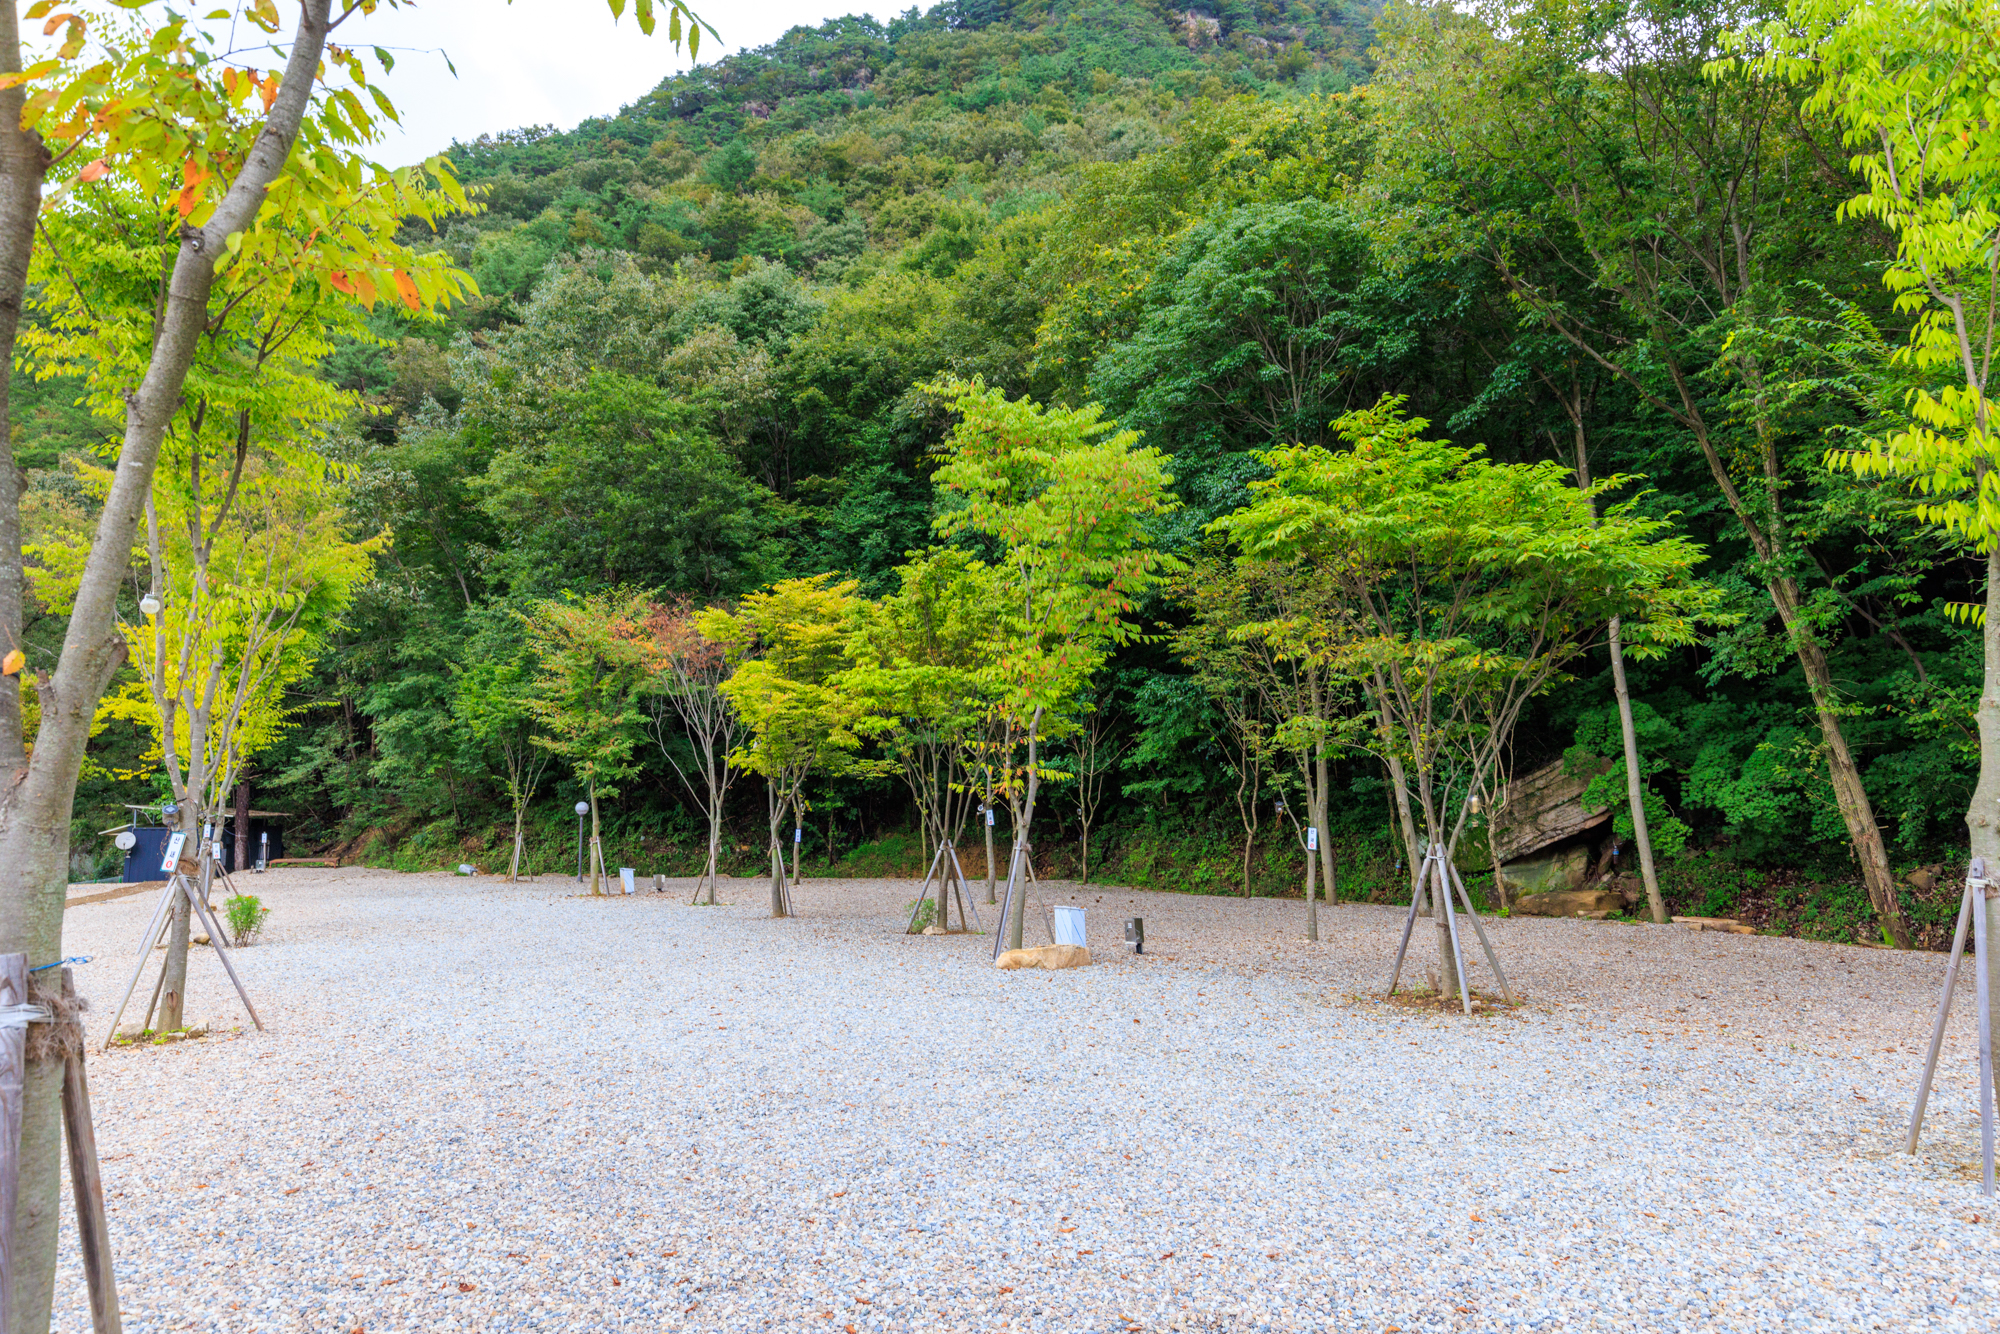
596,857
1982,819
1635,786
714,846
1401,787
1324,797
242,827
1018,919
514,863
1312,903
987,816
1848,791
173,990
776,810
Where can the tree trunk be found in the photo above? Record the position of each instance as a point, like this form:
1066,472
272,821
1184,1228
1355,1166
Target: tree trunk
987,813
1312,904
1635,783
1017,920
1848,792
242,827
596,857
714,847
1447,956
1982,819
776,811
173,990
1400,785
514,863
1324,796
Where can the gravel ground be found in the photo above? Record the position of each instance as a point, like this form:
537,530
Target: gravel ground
484,1107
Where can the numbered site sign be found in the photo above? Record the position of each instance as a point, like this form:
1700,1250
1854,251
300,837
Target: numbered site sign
1312,839
173,857
625,874
798,834
989,817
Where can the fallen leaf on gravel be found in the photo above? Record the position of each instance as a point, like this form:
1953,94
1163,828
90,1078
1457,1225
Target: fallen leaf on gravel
1558,1169
1006,1290
465,1287
1477,1219
863,1301
1649,1213
1168,1256
617,1283
294,1190
848,1328
1066,1229
837,1194
1086,1252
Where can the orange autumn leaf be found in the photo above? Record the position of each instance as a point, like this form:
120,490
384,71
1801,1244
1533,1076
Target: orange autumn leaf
269,90
192,175
13,663
341,282
406,287
93,171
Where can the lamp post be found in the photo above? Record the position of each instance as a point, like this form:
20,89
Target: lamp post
582,809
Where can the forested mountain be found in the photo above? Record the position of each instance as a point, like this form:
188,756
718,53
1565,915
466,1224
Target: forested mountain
699,357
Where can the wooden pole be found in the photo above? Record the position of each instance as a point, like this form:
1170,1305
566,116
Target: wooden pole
13,1073
1409,925
92,1225
1966,908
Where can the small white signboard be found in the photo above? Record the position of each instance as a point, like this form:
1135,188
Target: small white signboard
989,817
625,874
1069,926
173,857
798,834
1312,839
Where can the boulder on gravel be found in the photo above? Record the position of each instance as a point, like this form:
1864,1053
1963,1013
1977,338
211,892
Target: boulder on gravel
1569,903
1045,956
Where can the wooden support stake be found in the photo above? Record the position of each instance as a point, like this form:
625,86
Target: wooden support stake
92,1225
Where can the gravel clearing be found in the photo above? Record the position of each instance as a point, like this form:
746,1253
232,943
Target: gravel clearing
492,1107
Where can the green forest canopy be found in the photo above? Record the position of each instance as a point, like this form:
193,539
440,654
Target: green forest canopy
695,367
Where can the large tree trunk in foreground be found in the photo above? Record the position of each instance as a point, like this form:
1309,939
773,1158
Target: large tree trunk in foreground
36,795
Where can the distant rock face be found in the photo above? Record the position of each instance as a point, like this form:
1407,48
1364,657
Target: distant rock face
1045,956
1541,809
1559,871
1571,903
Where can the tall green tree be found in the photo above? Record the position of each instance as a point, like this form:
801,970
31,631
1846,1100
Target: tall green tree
787,647
591,669
1068,502
1466,588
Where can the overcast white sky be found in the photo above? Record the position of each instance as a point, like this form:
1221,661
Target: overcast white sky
539,62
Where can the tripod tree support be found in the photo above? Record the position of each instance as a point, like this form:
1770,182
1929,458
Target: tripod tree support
179,885
18,1009
1981,901
1437,877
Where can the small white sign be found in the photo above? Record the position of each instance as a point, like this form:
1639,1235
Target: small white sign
625,874
989,817
1069,926
173,857
798,834
1312,839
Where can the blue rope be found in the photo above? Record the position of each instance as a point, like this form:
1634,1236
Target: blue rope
74,958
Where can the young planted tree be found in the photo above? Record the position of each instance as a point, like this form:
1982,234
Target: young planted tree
689,673
591,671
1466,588
787,648
1068,503
1257,639
1096,748
919,674
493,697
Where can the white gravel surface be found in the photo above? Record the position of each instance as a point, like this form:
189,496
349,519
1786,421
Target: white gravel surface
484,1107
